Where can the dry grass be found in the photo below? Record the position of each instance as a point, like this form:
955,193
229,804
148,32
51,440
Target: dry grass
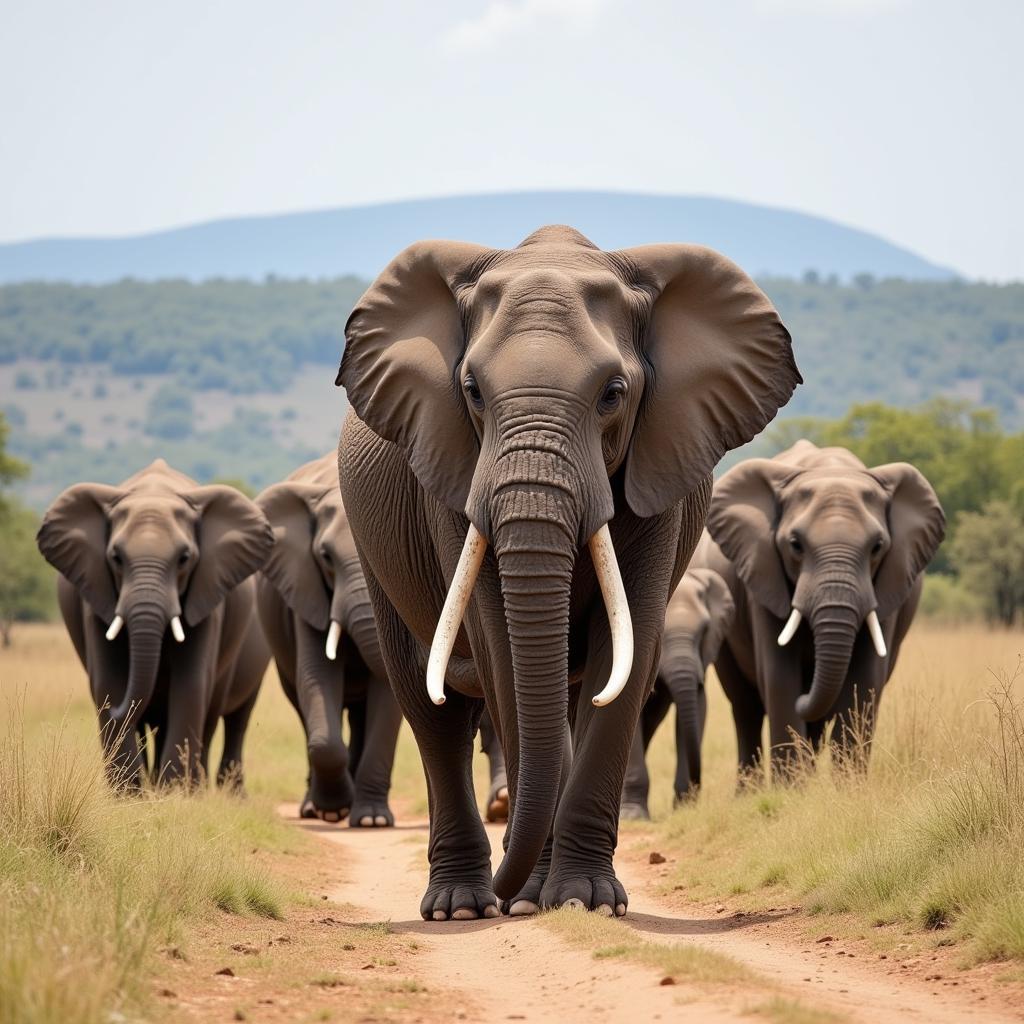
930,838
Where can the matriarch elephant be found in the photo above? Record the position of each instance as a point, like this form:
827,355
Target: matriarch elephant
526,468
825,560
318,620
155,558
698,616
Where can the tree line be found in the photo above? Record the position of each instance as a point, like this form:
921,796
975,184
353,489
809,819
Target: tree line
890,340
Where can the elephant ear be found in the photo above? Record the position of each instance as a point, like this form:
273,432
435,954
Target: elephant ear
744,512
291,566
721,365
721,610
73,539
917,526
234,540
404,343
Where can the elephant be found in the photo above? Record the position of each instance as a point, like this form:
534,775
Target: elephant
497,796
824,559
698,616
526,467
159,555
316,614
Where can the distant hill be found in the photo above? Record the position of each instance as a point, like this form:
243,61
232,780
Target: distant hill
359,240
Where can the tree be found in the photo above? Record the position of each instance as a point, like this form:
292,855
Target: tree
988,553
26,581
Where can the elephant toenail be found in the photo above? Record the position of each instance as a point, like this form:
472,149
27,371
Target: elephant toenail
574,904
464,914
604,910
380,820
491,910
620,909
522,908
440,915
366,821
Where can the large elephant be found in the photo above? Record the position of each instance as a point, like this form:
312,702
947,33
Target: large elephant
698,616
825,559
156,557
524,423
317,617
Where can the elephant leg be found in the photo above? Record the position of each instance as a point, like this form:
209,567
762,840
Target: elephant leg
236,723
373,774
688,762
356,713
636,788
188,706
497,795
748,717
306,808
460,886
586,823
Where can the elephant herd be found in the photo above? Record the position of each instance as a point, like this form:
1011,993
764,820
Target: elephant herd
525,543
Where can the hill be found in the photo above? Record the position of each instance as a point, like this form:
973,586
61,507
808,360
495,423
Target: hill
361,239
234,378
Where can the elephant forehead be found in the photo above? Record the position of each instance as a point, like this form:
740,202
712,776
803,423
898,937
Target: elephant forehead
821,492
167,515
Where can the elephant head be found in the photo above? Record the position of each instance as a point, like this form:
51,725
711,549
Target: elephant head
817,536
697,619
530,389
147,558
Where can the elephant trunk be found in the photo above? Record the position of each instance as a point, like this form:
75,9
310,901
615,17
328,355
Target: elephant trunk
146,609
320,692
351,607
683,674
535,562
835,620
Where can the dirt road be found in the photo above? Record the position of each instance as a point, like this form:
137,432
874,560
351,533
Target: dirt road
520,969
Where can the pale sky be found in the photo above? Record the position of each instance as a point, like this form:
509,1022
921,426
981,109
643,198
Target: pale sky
901,117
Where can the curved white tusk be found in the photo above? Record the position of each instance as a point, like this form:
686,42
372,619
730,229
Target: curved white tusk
607,568
176,631
333,636
790,628
115,627
455,605
875,629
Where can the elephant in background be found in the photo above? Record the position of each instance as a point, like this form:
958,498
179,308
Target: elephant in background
159,557
526,468
497,796
698,616
825,560
317,617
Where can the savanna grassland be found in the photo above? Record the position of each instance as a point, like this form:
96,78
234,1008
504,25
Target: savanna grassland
132,906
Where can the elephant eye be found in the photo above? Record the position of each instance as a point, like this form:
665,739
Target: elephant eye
796,544
469,385
877,546
115,557
183,557
614,392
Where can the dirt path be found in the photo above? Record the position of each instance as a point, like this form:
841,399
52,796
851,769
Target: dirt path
518,969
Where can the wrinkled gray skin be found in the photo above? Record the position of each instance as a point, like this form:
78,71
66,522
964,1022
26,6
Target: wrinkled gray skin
540,392
698,616
154,547
814,529
312,578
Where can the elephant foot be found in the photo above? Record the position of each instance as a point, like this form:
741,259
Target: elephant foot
527,901
371,814
686,798
633,810
497,801
600,892
306,808
463,901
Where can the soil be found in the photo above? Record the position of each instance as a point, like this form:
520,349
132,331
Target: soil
326,961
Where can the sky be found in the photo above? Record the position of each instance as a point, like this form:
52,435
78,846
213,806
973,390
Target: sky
901,117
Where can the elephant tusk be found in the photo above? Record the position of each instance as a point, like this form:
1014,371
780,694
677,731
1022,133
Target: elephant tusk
608,576
790,628
455,605
333,636
176,631
875,629
115,627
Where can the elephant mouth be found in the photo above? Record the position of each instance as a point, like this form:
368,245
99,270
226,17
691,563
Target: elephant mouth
460,592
